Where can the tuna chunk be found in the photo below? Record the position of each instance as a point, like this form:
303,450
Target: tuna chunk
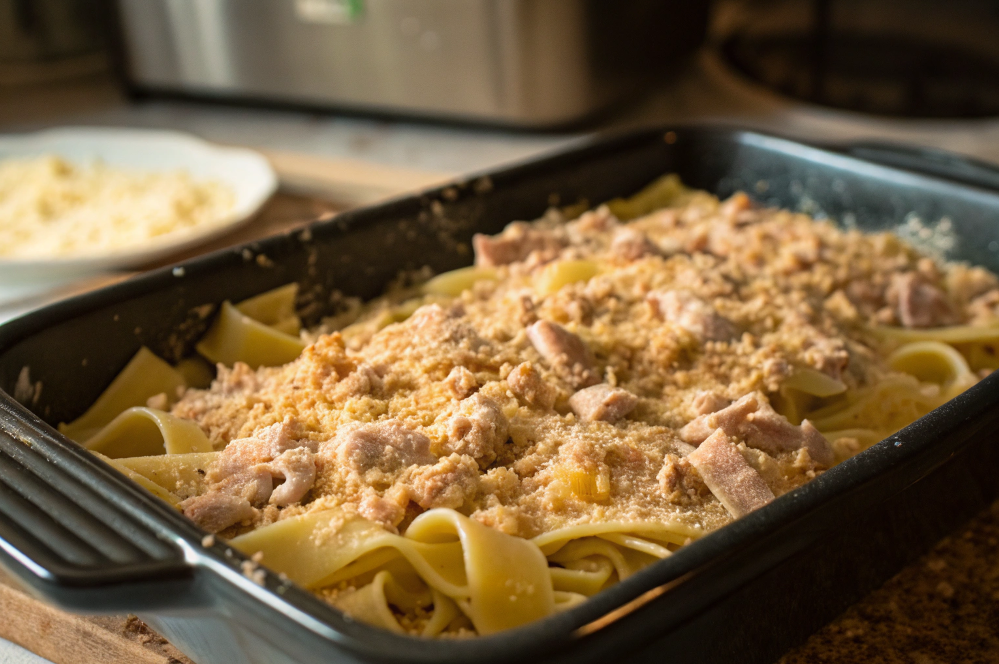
479,429
728,419
432,326
268,443
827,354
734,207
297,467
527,384
448,483
253,483
564,350
918,303
709,402
388,446
602,402
631,244
692,314
247,467
753,420
515,244
731,479
361,382
461,383
382,509
217,511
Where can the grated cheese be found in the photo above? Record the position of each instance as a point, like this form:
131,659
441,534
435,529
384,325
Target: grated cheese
50,208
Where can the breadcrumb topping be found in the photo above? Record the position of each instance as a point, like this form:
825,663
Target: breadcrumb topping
467,402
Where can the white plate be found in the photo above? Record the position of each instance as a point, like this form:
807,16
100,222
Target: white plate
247,173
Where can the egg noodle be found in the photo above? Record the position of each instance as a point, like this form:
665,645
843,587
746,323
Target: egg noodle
501,442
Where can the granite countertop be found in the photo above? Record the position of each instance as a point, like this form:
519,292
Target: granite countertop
943,608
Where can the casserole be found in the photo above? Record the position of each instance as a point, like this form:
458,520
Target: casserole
90,541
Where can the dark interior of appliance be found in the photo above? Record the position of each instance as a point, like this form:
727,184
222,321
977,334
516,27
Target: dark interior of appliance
902,58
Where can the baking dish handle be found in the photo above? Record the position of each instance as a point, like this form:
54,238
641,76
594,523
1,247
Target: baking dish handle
929,161
73,532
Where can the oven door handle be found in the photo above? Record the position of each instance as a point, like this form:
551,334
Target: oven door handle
928,161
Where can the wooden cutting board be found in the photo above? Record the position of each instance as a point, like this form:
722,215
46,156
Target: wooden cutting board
65,638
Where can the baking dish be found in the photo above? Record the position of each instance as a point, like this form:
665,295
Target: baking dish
87,539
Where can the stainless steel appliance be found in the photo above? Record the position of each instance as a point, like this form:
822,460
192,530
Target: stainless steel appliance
517,62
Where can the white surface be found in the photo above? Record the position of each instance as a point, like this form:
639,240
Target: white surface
246,173
11,653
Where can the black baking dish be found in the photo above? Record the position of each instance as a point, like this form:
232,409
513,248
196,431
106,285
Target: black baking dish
89,540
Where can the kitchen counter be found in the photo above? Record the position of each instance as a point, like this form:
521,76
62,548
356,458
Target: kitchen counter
702,92
944,608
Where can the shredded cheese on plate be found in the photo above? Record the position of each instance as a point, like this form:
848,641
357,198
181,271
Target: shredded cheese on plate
50,208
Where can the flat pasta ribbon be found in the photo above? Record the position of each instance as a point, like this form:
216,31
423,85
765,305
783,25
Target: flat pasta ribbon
934,362
236,337
143,377
801,390
275,309
144,482
499,581
181,474
148,431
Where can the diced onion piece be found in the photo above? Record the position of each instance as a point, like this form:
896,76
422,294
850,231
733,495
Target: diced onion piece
813,382
587,485
562,273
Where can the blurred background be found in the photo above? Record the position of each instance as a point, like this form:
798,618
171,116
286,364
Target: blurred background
449,86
